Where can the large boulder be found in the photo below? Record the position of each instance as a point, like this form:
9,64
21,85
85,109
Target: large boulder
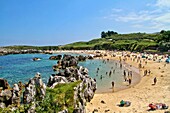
4,84
58,57
5,98
16,95
35,90
81,58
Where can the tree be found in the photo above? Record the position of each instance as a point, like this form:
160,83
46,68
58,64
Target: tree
165,36
103,34
109,33
162,31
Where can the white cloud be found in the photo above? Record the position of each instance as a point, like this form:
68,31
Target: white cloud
164,18
163,3
156,19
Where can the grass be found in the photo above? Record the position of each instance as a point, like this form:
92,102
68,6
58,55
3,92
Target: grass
58,99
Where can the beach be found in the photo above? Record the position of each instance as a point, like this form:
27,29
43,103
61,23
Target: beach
140,95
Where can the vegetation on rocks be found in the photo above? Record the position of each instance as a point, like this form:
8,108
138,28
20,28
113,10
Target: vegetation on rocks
59,98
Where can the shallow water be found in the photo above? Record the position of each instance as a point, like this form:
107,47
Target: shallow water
21,67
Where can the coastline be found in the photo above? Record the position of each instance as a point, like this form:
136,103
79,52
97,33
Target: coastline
123,86
140,95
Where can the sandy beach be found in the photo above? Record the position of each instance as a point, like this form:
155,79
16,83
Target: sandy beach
139,95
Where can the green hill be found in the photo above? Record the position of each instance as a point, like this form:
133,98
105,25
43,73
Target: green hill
111,40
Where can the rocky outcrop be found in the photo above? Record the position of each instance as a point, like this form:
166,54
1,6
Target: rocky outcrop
15,95
34,90
36,58
4,84
68,71
83,93
5,98
28,51
58,57
81,58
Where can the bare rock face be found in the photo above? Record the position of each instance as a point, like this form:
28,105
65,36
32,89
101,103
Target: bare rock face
5,93
84,92
16,95
68,71
35,90
4,84
5,98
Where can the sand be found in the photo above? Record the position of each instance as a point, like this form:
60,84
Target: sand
139,95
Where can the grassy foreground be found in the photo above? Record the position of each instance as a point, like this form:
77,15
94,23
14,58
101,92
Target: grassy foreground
57,99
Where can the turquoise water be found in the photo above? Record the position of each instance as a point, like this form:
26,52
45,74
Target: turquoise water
20,67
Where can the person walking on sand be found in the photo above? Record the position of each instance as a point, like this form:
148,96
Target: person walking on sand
113,84
149,72
155,80
130,81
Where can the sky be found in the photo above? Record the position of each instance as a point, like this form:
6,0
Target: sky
59,22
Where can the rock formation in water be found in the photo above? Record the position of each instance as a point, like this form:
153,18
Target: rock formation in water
58,57
68,71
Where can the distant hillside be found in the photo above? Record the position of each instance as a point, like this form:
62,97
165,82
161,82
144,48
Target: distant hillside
132,42
110,40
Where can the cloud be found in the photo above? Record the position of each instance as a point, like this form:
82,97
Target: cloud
163,3
157,18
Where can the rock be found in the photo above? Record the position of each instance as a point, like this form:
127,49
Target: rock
90,57
68,71
5,97
36,58
58,57
34,90
2,105
81,58
4,84
16,95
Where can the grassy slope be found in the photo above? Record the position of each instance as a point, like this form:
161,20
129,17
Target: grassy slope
133,42
118,41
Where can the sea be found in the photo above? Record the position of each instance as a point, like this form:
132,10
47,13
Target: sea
21,67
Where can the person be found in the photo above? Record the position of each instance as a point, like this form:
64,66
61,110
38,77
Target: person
155,80
130,81
149,71
110,73
113,84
